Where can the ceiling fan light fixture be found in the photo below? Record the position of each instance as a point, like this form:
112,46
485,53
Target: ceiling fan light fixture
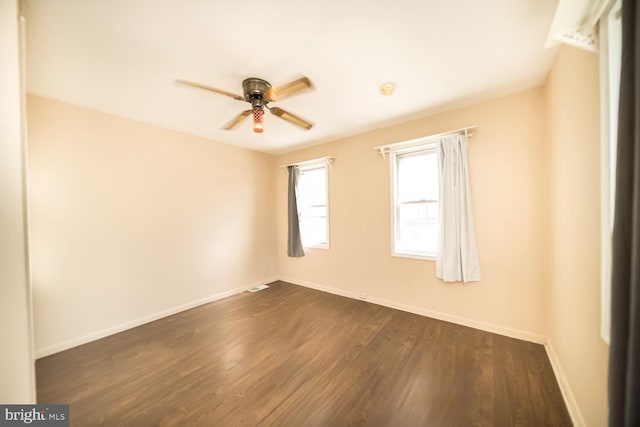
258,119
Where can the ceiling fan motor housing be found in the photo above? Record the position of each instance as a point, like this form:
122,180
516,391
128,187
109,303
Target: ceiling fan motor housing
254,91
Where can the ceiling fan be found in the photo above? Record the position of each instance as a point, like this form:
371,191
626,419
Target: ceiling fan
259,93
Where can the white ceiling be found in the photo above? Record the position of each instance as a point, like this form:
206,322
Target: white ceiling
121,57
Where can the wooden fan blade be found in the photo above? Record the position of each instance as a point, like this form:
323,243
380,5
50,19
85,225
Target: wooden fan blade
291,88
237,119
209,88
292,118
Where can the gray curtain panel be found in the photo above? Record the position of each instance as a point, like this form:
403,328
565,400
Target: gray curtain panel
294,243
624,350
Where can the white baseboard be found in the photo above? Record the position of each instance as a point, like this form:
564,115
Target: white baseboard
483,326
569,399
65,345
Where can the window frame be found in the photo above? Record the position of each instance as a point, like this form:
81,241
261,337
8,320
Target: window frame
608,142
301,170
393,156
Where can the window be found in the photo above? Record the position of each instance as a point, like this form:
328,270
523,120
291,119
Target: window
313,206
415,194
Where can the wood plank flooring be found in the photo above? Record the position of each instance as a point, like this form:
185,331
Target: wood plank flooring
292,356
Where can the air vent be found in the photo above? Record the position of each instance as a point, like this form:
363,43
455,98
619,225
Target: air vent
258,288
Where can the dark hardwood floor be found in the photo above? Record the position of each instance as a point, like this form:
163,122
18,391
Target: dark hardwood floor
291,356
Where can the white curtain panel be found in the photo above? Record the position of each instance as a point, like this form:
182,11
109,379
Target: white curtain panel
457,259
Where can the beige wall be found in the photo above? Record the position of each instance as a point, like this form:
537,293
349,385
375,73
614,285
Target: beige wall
16,359
573,330
130,221
507,160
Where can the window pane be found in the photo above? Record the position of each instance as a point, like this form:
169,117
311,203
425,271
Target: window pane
312,206
417,176
312,188
313,230
416,204
417,227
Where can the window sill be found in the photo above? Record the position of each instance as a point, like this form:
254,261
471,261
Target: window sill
325,247
414,256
